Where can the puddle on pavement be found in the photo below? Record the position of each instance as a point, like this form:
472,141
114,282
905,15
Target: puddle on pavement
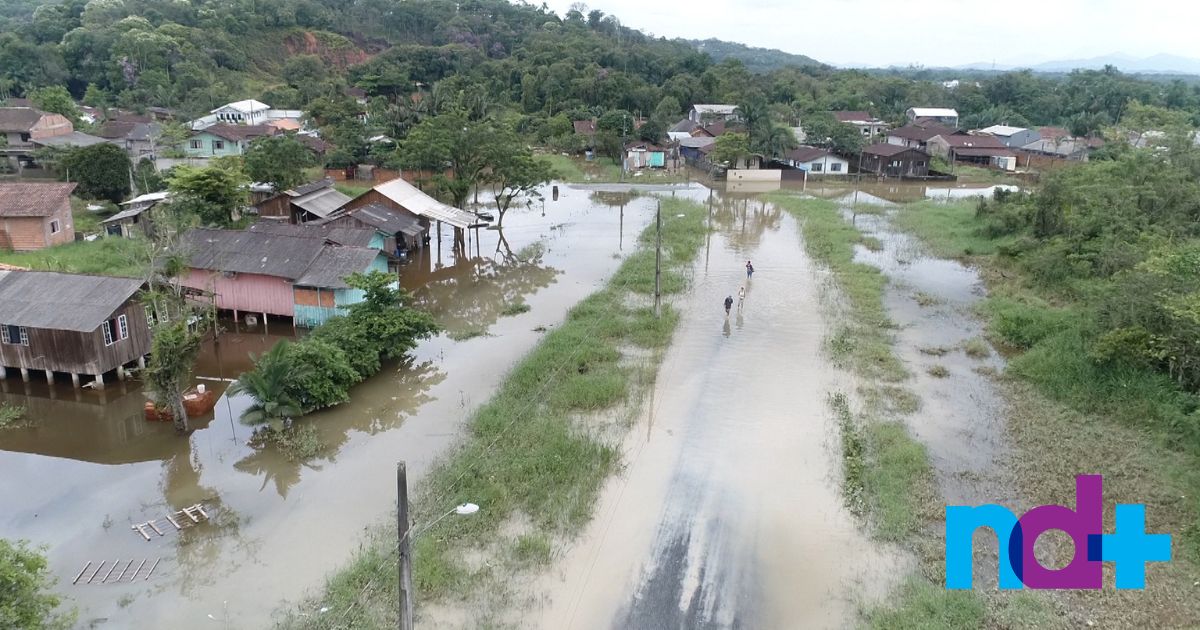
728,513
931,301
89,466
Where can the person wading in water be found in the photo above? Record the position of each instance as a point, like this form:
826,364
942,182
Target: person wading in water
728,304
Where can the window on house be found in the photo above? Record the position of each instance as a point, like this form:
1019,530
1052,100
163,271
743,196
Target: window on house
196,144
218,145
55,228
866,131
115,330
836,167
14,335
919,164
817,166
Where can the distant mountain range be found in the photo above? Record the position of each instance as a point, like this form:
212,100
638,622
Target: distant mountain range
758,60
1156,64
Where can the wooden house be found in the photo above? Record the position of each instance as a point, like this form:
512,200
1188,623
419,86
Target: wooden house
409,200
35,216
76,324
135,217
261,272
893,160
400,231
310,202
973,149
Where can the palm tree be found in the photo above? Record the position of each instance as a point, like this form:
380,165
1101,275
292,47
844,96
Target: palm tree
268,385
779,140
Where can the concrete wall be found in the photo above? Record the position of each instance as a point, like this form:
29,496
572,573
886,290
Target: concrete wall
758,175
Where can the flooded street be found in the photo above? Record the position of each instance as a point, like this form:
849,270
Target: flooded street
88,466
729,513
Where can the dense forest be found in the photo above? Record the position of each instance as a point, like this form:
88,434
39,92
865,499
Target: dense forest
486,56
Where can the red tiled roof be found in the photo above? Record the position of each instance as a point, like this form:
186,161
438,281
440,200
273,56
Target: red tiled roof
239,132
25,199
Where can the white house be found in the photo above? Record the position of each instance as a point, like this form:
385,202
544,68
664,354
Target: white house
703,113
940,115
868,125
1012,136
248,112
816,161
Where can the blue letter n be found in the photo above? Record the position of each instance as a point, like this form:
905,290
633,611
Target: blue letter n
961,523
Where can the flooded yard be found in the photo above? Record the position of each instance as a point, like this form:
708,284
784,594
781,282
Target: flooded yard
88,466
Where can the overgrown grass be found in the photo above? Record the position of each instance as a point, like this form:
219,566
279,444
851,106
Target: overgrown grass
938,371
103,256
977,348
531,453
949,229
922,605
467,333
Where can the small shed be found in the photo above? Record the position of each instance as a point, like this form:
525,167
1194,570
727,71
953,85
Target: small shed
309,202
400,231
70,323
135,216
407,199
644,155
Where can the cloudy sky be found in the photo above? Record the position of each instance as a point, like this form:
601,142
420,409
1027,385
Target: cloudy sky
931,33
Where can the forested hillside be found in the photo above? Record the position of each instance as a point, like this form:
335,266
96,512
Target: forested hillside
755,59
196,55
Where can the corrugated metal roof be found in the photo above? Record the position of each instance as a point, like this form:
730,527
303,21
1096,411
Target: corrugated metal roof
323,202
884,149
126,214
807,154
29,199
412,199
387,220
18,119
304,189
61,301
330,269
251,252
1004,131
73,139
246,106
711,108
353,236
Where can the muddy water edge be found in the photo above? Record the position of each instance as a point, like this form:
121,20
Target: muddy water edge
87,466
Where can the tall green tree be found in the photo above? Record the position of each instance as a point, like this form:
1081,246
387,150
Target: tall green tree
614,129
57,100
278,160
453,142
102,171
519,174
268,386
213,193
173,352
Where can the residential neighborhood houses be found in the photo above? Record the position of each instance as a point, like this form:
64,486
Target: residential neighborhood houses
868,125
35,216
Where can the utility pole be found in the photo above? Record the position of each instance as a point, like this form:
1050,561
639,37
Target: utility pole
402,530
657,258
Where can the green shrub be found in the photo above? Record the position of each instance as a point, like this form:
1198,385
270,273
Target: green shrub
329,376
1021,324
26,600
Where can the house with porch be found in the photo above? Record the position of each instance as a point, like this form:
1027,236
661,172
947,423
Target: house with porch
74,324
35,216
973,149
259,272
225,139
892,160
408,200
399,232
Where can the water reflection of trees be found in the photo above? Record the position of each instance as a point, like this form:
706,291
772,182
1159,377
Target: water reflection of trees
474,291
743,218
379,404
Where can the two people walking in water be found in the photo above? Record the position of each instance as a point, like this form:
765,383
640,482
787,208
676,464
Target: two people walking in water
741,291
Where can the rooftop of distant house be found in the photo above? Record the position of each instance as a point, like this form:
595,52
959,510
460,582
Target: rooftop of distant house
238,133
934,112
1004,131
884,149
714,108
854,116
806,154
62,301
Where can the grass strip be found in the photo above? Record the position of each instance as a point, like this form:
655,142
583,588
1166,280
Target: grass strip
534,457
111,256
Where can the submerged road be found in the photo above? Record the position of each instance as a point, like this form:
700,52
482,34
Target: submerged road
728,514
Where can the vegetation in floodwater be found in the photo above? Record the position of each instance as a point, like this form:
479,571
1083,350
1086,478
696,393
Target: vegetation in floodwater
299,442
948,228
10,414
467,333
528,450
977,348
938,371
925,300
934,351
853,452
872,243
515,308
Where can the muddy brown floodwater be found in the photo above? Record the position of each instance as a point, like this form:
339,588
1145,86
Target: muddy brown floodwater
728,513
89,466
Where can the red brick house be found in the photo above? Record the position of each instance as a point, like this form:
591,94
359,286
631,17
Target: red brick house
35,216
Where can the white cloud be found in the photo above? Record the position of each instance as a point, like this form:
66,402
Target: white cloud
937,33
